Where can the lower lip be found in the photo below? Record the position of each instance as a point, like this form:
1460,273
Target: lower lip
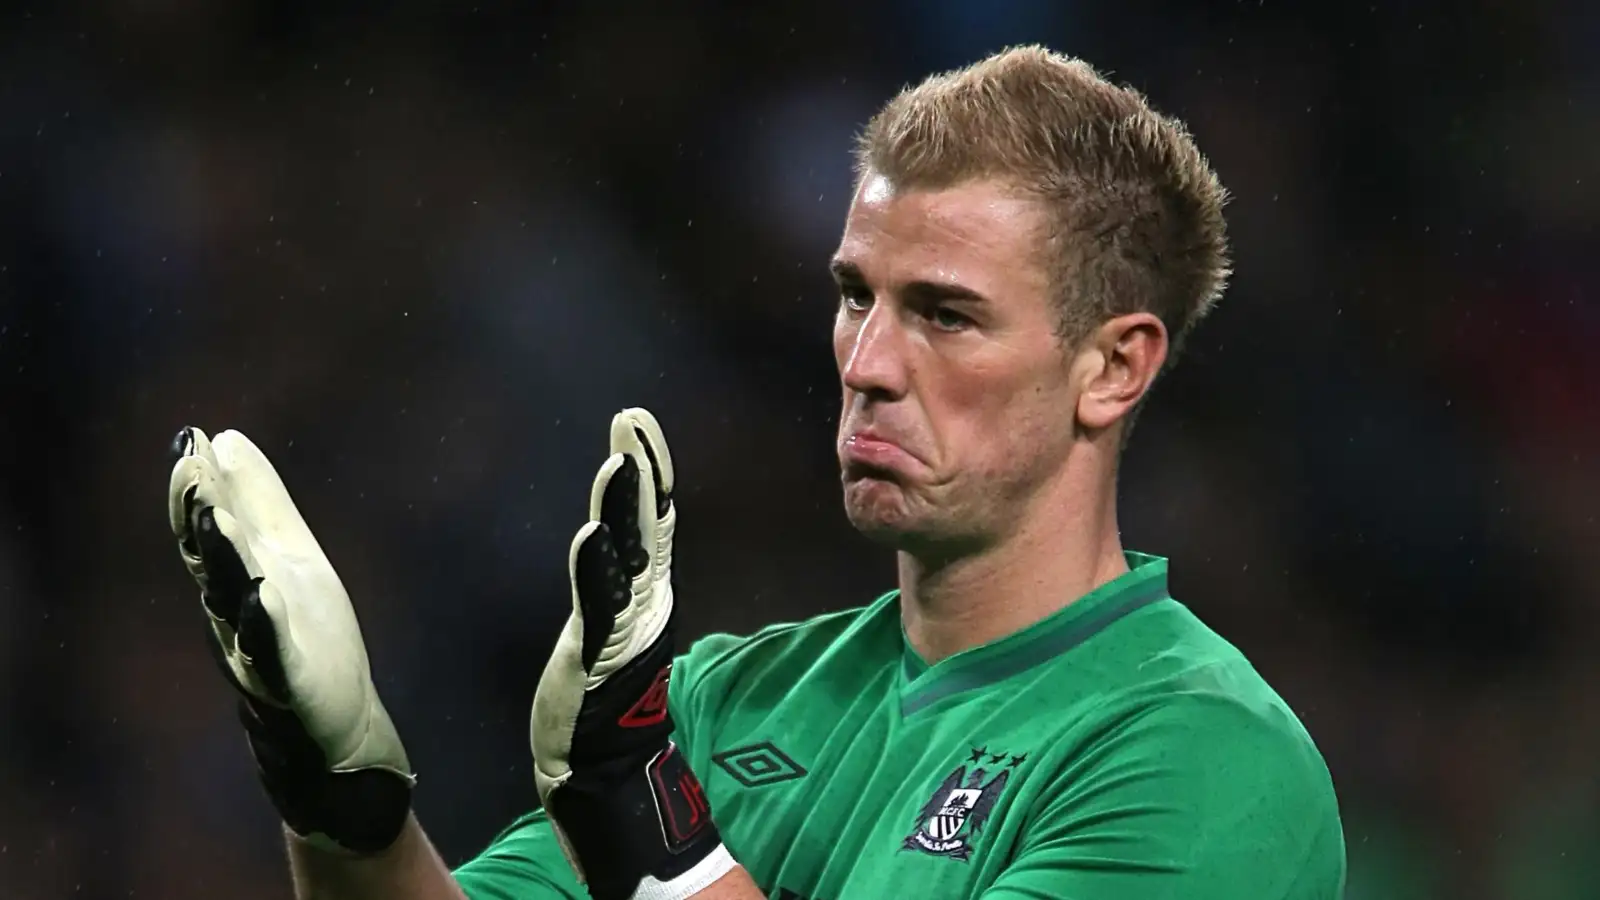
876,453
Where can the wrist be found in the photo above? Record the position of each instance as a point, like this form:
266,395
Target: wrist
653,823
359,813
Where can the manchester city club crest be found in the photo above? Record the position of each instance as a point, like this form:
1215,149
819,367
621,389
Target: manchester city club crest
957,811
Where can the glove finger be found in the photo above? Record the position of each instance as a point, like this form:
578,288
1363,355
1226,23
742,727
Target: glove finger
236,665
191,441
628,437
613,500
647,432
620,513
256,492
227,576
258,642
600,587
636,434
192,484
220,642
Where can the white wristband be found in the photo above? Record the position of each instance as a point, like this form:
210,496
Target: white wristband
717,864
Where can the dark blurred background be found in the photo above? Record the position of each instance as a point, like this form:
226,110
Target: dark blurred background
421,252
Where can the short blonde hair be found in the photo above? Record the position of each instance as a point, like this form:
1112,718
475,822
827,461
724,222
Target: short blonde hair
1134,210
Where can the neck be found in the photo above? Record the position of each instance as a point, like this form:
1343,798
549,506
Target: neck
1065,544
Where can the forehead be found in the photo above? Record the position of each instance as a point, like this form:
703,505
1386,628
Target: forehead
975,231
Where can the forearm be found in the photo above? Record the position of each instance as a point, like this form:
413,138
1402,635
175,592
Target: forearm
410,869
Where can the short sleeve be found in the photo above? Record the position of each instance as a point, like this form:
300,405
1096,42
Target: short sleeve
524,862
1198,797
694,708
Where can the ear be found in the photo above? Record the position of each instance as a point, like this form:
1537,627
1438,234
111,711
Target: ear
1117,364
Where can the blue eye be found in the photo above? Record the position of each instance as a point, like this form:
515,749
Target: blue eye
946,319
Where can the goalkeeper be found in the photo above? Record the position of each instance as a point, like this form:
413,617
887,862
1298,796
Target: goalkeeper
1029,715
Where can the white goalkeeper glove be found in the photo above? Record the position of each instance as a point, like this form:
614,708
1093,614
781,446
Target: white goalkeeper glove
286,637
632,818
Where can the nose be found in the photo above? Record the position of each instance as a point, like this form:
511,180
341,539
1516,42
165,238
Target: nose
872,357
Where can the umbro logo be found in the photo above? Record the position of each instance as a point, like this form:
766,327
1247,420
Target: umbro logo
759,765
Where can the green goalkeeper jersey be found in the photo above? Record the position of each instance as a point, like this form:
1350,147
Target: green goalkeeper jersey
1118,749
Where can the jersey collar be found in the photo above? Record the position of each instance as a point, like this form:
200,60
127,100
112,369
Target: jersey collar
922,685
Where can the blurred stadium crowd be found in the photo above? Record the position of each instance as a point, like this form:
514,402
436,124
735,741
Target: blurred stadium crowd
420,253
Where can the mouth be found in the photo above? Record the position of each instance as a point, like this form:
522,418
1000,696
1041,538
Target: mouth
866,454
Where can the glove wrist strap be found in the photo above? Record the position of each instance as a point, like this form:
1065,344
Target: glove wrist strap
651,826
702,875
360,812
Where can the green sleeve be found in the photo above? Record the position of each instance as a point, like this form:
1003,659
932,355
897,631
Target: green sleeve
1197,797
524,862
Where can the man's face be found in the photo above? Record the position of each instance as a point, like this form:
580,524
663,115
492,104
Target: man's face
958,395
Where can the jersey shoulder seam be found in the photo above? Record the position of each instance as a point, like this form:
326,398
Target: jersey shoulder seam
740,646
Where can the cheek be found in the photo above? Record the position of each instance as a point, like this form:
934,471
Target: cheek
1007,413
987,395
844,335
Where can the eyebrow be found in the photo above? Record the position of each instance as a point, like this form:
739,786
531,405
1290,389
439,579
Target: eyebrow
846,272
